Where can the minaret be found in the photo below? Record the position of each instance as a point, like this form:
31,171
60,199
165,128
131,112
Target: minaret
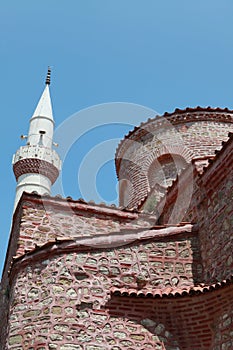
36,166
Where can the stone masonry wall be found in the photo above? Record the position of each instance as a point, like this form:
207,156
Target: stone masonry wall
215,211
212,208
64,303
54,276
60,300
168,261
4,285
45,221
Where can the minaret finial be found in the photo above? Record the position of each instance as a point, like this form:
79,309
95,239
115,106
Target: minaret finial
47,82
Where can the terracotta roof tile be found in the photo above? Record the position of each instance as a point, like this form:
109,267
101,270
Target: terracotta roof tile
91,204
170,291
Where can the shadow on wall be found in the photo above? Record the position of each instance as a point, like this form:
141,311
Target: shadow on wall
137,325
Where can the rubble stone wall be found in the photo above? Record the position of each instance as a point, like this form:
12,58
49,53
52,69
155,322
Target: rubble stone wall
64,303
61,300
43,222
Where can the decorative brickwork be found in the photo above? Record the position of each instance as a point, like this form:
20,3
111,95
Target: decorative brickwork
35,166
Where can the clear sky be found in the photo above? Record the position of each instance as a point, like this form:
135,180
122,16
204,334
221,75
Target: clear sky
157,54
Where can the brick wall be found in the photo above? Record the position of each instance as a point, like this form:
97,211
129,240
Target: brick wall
198,322
192,134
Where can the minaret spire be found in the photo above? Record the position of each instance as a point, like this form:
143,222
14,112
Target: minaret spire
36,165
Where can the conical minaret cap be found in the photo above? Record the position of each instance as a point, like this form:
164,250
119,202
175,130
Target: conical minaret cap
44,106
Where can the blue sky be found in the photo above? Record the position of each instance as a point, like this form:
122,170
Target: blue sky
157,54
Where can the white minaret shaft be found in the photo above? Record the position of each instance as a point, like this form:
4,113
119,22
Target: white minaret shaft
36,166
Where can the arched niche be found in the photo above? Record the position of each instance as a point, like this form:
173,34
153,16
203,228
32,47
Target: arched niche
165,169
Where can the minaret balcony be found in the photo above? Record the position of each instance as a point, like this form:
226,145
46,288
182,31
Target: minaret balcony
38,152
36,159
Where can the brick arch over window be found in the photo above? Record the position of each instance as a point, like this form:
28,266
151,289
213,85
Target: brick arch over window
178,150
165,169
138,172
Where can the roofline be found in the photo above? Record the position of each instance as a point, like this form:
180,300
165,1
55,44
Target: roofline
69,203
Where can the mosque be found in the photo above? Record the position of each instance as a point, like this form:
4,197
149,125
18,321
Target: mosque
156,272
